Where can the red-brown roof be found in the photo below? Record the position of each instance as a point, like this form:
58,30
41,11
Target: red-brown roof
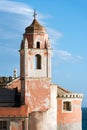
35,27
14,111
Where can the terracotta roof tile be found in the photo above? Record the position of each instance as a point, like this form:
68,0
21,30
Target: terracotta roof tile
34,27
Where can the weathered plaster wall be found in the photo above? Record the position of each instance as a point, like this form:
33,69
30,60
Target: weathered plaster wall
29,63
51,116
16,125
70,126
36,121
46,120
32,72
69,120
32,38
37,94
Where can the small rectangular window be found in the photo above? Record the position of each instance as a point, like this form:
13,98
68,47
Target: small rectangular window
67,106
3,125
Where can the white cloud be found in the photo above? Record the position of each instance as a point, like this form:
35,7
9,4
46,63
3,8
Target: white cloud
64,54
79,57
54,36
19,8
15,7
61,55
67,56
18,16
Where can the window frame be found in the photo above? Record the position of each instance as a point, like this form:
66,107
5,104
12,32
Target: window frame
37,62
67,110
2,125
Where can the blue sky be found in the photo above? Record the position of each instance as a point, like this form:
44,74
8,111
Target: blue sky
66,24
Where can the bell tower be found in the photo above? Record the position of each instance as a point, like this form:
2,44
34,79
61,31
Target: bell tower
35,62
37,54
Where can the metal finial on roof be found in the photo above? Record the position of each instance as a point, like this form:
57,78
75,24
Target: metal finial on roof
35,13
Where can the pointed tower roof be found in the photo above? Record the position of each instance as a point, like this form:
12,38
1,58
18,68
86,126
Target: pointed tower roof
35,27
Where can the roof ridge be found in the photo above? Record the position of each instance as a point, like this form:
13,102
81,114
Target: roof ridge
64,89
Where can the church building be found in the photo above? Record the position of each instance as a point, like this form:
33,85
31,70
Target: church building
32,101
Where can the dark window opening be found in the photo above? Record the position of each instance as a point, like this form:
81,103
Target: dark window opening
37,61
38,45
67,106
3,125
45,45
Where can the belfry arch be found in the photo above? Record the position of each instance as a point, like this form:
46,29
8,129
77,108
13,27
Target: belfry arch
37,61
